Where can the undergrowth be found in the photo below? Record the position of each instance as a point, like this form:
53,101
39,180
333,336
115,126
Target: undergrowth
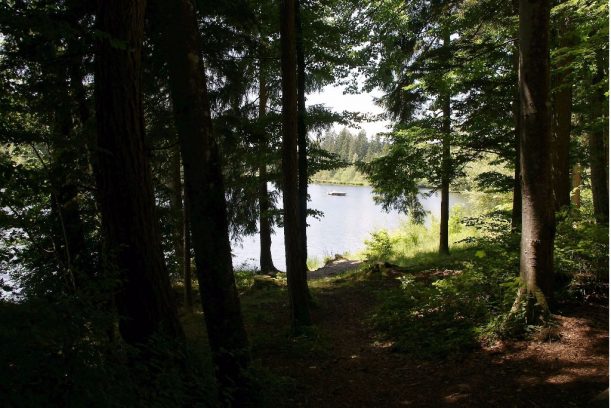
447,305
415,243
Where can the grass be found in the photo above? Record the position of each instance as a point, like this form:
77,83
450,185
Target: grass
416,244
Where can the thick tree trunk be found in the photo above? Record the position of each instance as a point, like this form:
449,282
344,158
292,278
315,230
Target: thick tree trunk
295,261
576,186
538,224
444,248
205,194
561,127
302,142
598,153
124,177
265,230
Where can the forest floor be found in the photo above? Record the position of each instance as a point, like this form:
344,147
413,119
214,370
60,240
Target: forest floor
344,362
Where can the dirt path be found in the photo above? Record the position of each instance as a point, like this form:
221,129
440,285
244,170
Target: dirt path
335,267
355,370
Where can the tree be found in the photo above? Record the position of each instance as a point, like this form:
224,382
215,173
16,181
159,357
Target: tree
295,261
561,116
416,71
205,195
265,220
124,178
538,224
302,137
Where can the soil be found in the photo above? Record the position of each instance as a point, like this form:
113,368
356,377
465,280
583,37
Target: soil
355,369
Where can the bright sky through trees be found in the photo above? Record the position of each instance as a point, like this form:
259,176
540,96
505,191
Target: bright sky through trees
333,97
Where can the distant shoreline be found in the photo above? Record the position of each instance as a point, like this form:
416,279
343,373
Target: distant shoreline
356,184
338,183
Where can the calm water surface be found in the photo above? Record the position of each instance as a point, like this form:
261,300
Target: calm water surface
347,222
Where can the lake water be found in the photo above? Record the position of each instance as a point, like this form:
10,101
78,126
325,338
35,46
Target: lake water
347,222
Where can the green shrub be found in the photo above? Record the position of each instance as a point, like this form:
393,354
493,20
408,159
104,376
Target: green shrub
379,247
581,256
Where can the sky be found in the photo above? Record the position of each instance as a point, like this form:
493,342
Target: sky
333,97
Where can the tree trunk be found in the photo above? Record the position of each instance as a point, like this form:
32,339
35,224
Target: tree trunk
561,126
64,171
205,194
444,248
516,209
176,206
538,224
186,262
124,177
576,186
598,160
302,142
265,230
295,262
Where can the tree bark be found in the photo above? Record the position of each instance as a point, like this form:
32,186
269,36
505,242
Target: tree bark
538,224
124,177
265,230
516,210
302,142
444,248
295,262
186,262
561,126
205,195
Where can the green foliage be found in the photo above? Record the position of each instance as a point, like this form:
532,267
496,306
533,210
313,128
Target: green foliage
416,243
244,279
581,256
429,320
449,308
63,349
379,247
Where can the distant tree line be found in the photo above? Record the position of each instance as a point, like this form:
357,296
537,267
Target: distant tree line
351,148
